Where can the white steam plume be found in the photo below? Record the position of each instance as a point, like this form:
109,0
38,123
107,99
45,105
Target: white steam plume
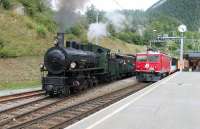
97,30
118,20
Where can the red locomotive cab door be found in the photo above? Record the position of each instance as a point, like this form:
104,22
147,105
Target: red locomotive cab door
164,64
161,63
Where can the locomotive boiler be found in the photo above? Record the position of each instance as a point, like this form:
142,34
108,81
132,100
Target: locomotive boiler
59,59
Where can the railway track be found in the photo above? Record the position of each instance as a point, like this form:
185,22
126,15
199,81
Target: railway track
12,113
57,115
19,96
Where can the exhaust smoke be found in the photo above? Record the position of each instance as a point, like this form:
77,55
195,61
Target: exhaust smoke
67,14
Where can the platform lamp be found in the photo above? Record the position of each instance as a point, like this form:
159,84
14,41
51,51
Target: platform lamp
97,22
182,29
154,35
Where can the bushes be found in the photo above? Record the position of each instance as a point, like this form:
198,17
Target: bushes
41,31
32,6
4,51
5,4
40,14
77,30
45,19
1,44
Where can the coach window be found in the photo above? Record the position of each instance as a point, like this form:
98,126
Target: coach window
153,58
141,58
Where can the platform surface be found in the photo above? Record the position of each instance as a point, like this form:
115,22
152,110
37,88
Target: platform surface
173,103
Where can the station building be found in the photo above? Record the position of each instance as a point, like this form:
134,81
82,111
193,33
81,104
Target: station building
192,61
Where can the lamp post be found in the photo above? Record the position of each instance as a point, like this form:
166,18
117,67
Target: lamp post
153,37
97,22
182,29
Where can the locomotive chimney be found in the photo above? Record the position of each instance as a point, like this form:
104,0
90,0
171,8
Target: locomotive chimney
61,39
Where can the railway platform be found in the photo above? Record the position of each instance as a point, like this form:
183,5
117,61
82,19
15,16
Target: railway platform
172,103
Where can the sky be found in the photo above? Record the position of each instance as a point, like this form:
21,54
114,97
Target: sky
110,5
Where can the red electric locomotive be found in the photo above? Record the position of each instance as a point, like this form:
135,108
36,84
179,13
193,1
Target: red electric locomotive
152,66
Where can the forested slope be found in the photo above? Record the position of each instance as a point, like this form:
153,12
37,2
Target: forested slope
186,11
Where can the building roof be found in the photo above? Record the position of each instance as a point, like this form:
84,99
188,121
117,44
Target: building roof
193,55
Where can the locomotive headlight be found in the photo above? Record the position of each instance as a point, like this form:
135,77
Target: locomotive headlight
73,65
42,67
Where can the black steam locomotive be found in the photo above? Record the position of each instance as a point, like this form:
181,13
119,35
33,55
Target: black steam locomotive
76,67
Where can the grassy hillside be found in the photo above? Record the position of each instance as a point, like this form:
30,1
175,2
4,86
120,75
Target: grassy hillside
19,72
116,44
23,36
19,36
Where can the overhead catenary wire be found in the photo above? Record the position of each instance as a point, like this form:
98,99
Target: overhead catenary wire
118,4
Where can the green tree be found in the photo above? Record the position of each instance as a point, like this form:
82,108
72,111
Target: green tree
172,46
77,30
34,6
186,11
92,13
5,4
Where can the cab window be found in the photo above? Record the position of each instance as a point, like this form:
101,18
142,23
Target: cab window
141,58
153,58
